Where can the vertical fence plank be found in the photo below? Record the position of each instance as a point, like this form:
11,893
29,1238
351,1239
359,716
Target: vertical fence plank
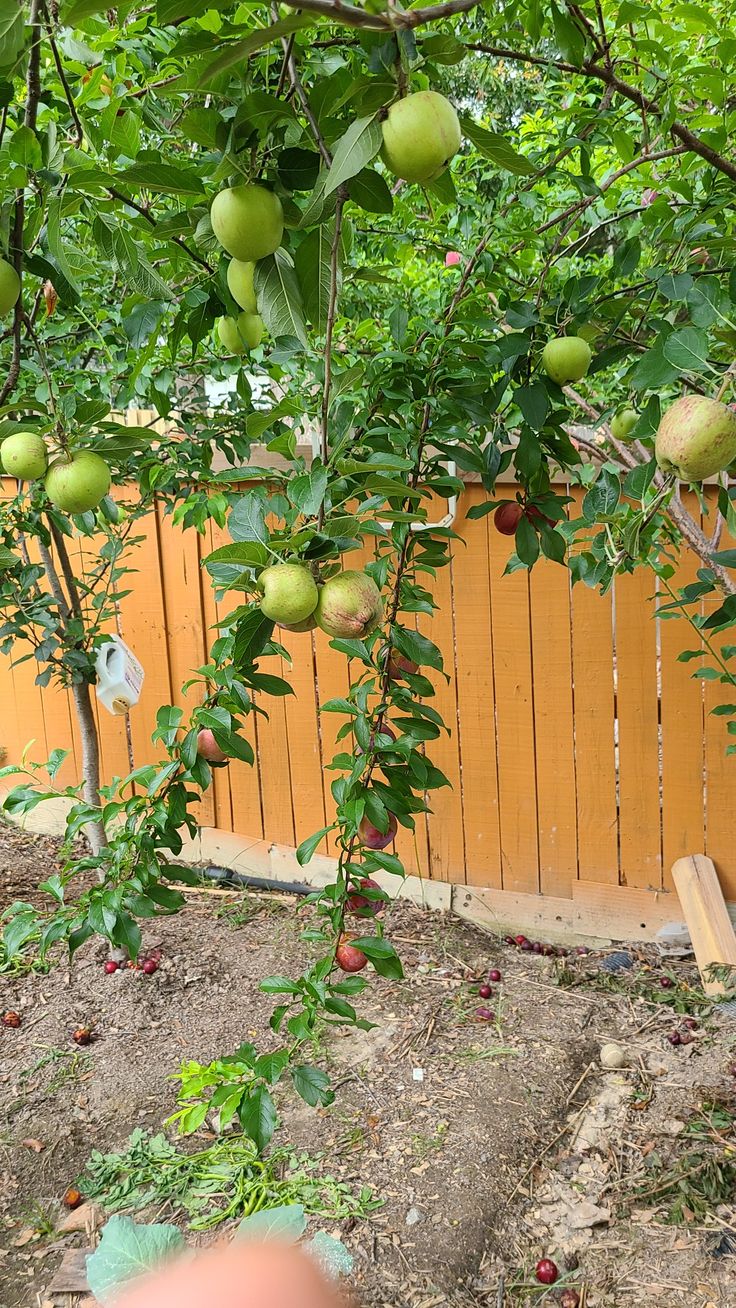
185,634
517,779
638,725
476,697
549,590
445,823
683,787
143,628
594,713
302,731
720,766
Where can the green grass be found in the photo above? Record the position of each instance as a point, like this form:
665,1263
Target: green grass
67,1065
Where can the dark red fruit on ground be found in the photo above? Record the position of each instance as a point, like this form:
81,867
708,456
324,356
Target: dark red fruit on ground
82,1035
484,1014
548,950
582,949
666,982
509,940
348,957
520,940
691,1023
536,947
372,838
527,946
150,966
494,975
546,1271
675,1038
360,904
73,1197
507,517
569,1299
485,991
111,966
11,1019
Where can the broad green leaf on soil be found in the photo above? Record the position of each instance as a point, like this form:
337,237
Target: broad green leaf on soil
279,297
287,1222
127,1250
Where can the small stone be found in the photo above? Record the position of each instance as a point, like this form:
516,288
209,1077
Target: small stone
414,1216
613,1056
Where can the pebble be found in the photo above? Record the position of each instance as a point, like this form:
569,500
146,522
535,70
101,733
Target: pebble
612,1055
414,1216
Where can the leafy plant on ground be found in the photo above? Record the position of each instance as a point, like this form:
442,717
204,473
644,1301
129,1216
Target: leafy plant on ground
702,1176
224,1180
67,1065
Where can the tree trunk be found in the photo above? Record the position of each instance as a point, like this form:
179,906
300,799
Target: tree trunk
94,830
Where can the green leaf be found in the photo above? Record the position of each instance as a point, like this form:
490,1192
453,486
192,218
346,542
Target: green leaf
353,151
312,1085
417,647
237,50
279,297
313,263
247,521
306,849
726,558
496,148
126,1250
24,148
527,542
370,191
382,955
278,985
288,1222
568,36
258,1118
163,178
603,497
687,350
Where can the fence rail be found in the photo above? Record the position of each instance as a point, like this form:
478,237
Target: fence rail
581,752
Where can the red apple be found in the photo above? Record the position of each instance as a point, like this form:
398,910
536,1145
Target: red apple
357,903
396,664
546,1271
348,957
208,748
372,838
507,517
452,259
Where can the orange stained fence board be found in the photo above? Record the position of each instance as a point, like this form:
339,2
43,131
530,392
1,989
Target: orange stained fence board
517,773
683,787
636,697
302,730
476,697
185,627
445,822
551,627
143,628
593,708
720,842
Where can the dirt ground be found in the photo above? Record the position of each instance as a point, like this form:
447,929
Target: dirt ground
489,1145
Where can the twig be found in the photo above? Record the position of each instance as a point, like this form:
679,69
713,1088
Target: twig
330,327
62,77
139,208
547,1148
394,19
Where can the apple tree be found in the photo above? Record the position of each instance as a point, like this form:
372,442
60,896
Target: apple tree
451,239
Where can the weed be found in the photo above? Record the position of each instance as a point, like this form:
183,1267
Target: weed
422,1144
477,1053
68,1064
225,1180
703,1176
37,1217
238,913
638,983
19,934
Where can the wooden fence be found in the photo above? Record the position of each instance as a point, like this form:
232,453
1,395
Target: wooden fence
582,755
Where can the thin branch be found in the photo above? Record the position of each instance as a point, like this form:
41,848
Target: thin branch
62,78
608,75
329,330
392,20
139,208
289,66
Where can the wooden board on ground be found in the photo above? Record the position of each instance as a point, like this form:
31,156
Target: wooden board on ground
704,909
71,1275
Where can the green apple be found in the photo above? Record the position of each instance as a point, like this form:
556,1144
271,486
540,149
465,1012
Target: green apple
238,335
23,455
248,221
420,135
77,484
289,593
566,359
696,438
9,287
623,423
240,282
350,604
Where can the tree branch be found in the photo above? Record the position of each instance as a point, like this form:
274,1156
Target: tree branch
139,208
392,20
589,68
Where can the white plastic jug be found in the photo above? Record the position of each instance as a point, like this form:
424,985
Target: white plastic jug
119,676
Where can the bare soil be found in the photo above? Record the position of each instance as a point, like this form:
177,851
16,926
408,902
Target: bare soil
490,1144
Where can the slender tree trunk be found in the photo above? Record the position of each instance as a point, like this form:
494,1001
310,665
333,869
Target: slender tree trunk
94,830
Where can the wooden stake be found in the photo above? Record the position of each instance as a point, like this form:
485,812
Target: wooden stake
704,910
